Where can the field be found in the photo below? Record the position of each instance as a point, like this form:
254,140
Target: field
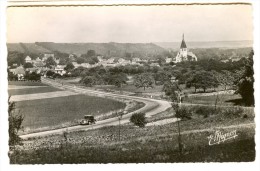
54,112
31,90
223,99
25,83
149,144
50,113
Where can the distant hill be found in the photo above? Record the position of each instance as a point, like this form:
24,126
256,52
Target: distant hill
107,49
26,48
209,44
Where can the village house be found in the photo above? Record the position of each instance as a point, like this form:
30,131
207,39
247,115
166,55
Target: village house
168,60
31,70
100,58
57,60
19,71
38,59
47,55
184,54
75,64
28,59
85,65
39,64
59,69
135,59
110,61
155,65
72,57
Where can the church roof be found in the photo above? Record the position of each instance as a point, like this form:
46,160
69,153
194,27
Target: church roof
183,44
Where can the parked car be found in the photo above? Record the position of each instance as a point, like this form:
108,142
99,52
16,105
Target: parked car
88,119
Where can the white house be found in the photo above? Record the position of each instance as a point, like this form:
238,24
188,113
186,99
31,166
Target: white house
19,71
100,58
168,60
59,69
135,59
28,59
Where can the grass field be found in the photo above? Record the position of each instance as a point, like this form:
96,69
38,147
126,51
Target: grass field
223,99
31,90
25,83
52,113
140,145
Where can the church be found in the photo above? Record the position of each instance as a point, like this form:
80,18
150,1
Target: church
184,54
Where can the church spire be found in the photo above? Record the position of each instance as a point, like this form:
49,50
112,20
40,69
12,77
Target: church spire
183,44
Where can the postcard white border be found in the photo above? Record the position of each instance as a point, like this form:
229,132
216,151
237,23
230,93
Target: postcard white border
4,160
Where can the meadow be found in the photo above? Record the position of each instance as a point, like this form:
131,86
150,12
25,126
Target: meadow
44,114
12,92
222,99
142,145
25,83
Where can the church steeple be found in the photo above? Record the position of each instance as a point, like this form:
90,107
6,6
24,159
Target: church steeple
183,44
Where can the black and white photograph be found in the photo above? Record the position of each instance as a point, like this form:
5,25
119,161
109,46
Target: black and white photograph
119,84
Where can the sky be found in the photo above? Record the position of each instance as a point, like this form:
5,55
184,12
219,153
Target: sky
129,24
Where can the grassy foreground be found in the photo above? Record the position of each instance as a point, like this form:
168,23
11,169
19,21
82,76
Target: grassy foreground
150,150
147,145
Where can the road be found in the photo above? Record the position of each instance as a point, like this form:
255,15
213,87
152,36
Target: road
152,107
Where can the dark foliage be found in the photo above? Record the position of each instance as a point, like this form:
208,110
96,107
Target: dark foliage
15,124
246,82
138,119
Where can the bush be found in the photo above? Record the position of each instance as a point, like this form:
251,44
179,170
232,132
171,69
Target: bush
138,119
233,112
183,113
15,124
205,111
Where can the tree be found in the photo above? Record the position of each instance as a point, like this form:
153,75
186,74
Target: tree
15,124
245,85
50,73
12,76
62,61
91,53
202,79
144,80
118,79
28,65
138,119
88,81
32,76
226,78
161,77
50,62
15,57
69,67
80,60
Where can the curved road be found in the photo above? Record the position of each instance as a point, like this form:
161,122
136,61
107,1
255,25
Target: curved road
151,107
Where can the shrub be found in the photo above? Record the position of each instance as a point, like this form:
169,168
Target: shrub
138,119
205,111
15,124
183,113
233,112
